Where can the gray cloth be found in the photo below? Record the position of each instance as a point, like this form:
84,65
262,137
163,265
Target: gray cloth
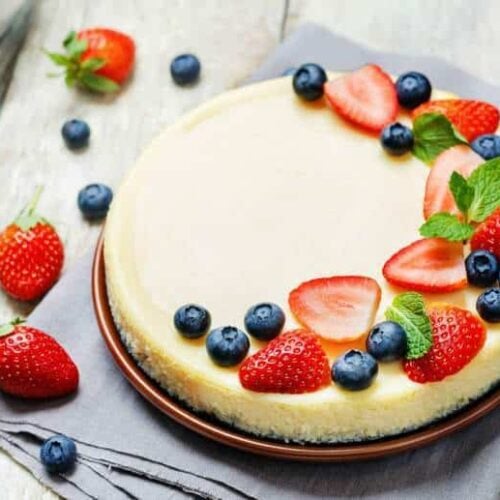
129,449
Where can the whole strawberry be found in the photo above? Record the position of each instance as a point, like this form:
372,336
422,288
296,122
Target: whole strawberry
33,365
487,235
99,59
292,363
31,255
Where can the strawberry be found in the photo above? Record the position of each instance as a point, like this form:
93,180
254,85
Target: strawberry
99,59
31,255
366,97
33,365
431,265
470,118
438,197
292,363
457,337
340,308
487,234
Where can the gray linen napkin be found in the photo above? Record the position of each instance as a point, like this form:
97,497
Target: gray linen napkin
128,449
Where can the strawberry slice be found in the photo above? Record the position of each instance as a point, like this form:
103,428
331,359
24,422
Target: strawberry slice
438,197
470,118
430,265
366,97
340,308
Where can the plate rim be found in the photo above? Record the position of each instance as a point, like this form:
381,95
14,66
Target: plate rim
342,452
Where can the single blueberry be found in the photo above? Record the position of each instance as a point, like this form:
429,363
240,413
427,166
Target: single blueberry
94,201
308,81
387,341
58,453
413,89
487,146
227,346
482,268
76,134
265,321
185,69
488,305
354,370
192,321
396,139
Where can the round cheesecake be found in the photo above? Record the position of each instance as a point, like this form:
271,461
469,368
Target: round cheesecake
238,203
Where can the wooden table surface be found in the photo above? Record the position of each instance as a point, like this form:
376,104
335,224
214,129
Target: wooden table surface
231,37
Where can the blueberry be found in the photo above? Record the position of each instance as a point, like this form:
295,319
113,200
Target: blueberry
58,453
387,341
413,89
308,81
94,201
192,321
76,134
487,146
289,72
185,69
396,139
482,268
355,370
227,346
488,305
265,321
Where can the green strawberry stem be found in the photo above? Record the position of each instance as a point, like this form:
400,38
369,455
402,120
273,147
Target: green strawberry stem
28,218
8,328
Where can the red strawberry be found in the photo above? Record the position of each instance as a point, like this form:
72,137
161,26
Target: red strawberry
292,363
366,97
458,336
487,234
438,197
470,118
341,308
99,59
430,265
33,364
31,255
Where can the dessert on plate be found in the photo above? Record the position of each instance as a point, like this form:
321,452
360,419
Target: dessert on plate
303,258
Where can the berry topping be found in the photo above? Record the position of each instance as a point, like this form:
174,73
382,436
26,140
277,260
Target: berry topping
292,363
227,346
340,309
482,268
355,370
396,139
94,201
58,454
192,321
308,81
470,118
457,335
413,89
33,365
430,265
487,146
185,69
76,134
366,97
488,305
387,341
265,321
487,235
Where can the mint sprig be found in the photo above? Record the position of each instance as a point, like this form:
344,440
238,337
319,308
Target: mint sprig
408,309
485,181
447,226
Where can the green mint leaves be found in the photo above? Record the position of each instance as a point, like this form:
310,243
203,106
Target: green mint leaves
461,191
447,226
433,133
485,181
408,309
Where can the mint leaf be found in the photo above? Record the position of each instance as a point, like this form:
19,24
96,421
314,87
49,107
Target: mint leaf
462,192
98,83
433,133
408,309
447,226
485,181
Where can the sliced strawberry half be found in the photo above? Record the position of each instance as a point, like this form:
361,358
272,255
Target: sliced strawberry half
430,265
340,308
366,97
438,197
